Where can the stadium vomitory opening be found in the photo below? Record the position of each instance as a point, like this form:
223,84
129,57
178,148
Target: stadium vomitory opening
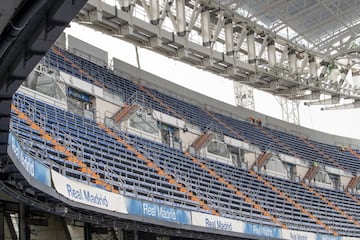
179,120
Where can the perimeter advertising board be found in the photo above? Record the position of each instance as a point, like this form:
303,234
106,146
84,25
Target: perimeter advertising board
32,166
89,195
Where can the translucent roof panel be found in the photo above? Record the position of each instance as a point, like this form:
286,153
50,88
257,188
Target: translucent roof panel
317,23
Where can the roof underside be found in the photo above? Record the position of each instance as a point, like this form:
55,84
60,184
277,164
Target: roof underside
324,25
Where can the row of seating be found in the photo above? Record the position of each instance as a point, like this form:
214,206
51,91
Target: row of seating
118,165
98,150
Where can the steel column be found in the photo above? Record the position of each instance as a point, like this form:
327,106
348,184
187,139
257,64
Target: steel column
292,61
205,26
312,67
229,37
154,12
181,17
250,39
271,52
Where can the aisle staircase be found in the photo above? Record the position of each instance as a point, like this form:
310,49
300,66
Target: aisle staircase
295,204
236,191
69,156
161,171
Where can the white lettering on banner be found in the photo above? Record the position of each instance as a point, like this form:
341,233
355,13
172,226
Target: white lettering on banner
149,210
89,195
218,224
161,212
167,213
215,222
297,235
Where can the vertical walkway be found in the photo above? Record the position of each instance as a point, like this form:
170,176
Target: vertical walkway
295,204
353,152
277,140
181,187
76,66
158,100
60,148
352,197
227,127
278,191
236,191
322,153
330,204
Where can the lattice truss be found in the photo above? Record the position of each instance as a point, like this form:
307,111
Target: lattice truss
300,50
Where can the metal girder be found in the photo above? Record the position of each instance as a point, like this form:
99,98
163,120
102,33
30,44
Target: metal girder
181,17
205,26
219,26
329,101
289,110
354,104
229,40
196,40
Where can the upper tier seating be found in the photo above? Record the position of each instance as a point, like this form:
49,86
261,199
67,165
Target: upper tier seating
274,141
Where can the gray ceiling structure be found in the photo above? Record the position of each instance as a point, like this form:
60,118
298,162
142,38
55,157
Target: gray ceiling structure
296,49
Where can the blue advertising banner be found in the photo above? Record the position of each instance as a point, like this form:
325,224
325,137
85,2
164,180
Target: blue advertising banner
327,237
261,230
157,211
32,166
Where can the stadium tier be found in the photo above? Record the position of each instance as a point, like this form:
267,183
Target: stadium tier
121,162
267,139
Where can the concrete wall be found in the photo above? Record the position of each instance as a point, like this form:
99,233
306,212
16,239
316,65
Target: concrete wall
187,138
250,158
61,41
89,51
301,171
105,109
76,233
53,231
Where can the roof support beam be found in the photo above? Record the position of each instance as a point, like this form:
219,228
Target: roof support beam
204,35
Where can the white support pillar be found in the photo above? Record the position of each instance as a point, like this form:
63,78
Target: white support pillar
181,17
343,73
304,62
271,52
312,67
250,39
325,65
154,12
241,39
292,61
284,54
229,37
219,26
205,26
124,5
263,46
